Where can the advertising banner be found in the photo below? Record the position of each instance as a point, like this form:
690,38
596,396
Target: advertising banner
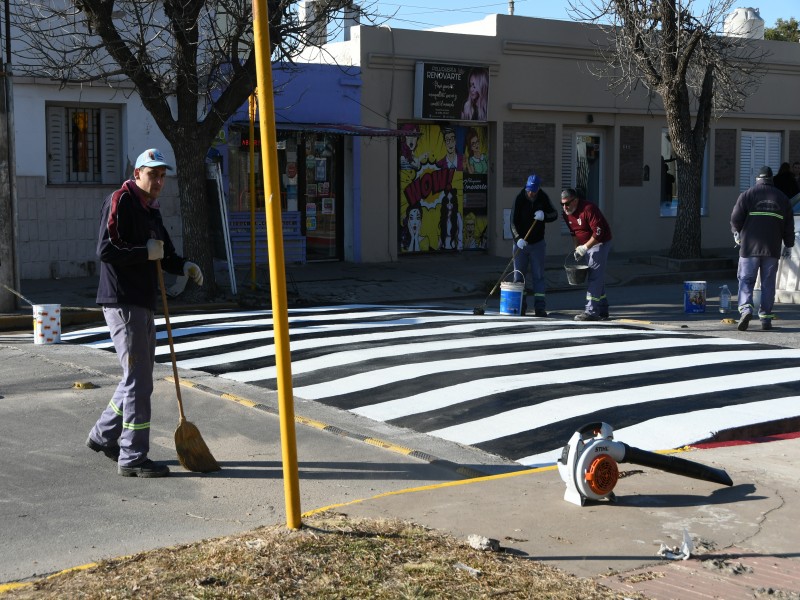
451,92
443,188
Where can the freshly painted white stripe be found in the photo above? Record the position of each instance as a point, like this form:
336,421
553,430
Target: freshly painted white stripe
449,396
77,335
410,319
335,359
673,431
402,407
329,342
264,319
538,415
349,357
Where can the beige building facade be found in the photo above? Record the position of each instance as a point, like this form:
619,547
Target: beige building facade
546,114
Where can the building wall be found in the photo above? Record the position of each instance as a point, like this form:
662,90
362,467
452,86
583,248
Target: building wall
540,77
57,225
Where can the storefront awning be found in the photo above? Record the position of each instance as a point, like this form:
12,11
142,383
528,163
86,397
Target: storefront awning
340,128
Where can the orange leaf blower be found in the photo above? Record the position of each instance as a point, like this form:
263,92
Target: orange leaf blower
588,464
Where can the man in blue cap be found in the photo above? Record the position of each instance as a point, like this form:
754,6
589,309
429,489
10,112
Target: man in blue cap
132,238
532,209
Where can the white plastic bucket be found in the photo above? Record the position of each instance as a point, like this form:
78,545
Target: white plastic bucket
511,297
694,296
46,323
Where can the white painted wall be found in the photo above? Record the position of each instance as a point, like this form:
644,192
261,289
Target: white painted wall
57,225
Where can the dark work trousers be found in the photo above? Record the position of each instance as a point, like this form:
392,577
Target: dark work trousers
126,419
531,256
748,271
596,301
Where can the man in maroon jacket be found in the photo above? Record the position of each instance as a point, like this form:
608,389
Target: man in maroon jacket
592,237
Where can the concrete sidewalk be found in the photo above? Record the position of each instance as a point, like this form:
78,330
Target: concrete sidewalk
741,534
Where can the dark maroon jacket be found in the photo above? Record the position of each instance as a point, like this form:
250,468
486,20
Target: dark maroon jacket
126,275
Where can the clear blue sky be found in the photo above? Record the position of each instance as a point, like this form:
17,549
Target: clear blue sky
419,14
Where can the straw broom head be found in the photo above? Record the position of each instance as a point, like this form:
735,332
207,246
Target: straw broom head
193,454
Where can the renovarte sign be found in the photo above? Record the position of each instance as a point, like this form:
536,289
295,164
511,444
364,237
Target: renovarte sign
451,92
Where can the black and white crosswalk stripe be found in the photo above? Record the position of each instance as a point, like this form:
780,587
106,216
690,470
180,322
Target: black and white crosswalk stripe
517,387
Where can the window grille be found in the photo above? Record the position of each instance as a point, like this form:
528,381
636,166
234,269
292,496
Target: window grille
83,145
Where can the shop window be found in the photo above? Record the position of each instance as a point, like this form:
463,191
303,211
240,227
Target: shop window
83,145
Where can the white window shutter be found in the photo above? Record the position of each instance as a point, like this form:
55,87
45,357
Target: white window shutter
56,146
745,161
110,146
758,148
773,158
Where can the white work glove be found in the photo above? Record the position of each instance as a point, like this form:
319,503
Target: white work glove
176,289
736,239
787,252
580,251
155,249
521,243
538,216
193,271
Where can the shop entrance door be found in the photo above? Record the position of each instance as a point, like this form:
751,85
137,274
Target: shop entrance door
322,196
588,166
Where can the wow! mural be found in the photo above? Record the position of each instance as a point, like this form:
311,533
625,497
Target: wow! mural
443,187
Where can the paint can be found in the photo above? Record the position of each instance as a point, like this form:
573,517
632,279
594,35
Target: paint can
46,323
511,296
694,296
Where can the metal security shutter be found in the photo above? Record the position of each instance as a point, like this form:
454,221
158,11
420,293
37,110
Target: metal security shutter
56,146
110,142
758,148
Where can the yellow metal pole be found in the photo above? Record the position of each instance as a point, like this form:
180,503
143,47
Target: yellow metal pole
269,164
251,147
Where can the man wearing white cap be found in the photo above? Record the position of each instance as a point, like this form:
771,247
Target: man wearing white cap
132,238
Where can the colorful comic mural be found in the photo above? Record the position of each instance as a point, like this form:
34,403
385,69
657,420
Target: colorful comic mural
443,187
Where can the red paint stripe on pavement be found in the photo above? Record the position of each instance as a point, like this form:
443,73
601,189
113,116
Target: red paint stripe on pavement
758,440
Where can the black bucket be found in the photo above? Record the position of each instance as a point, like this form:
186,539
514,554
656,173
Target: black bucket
576,273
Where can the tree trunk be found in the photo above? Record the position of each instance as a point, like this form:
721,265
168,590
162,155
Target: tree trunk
190,166
686,237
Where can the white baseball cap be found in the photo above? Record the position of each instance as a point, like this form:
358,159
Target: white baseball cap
152,158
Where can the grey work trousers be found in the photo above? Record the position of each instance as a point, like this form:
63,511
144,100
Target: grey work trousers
126,419
532,256
596,301
748,271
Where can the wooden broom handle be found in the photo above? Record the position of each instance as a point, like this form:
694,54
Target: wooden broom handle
169,337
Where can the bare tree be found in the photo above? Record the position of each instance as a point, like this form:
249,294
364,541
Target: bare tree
191,62
678,52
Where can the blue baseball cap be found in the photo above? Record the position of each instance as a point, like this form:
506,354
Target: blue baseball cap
152,158
533,183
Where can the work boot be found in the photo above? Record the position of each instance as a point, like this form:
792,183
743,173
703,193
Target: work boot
766,324
584,316
111,452
744,321
540,312
147,468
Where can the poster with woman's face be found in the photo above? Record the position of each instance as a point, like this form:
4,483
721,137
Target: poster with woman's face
443,187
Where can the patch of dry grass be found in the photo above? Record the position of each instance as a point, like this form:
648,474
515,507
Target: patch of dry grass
332,556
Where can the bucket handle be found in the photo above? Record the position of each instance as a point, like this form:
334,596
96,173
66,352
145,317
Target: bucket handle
577,262
511,273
